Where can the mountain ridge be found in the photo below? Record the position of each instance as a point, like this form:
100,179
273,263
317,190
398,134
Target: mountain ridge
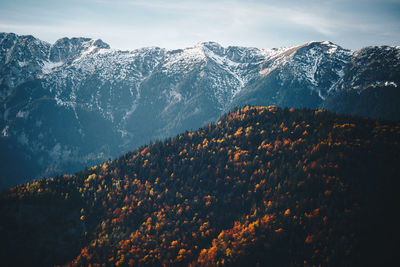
112,101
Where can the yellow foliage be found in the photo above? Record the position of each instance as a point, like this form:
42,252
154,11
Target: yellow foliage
228,252
104,167
238,132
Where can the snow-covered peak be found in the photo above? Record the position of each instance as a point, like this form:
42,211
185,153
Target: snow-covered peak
209,45
81,42
276,57
212,46
66,49
182,59
228,69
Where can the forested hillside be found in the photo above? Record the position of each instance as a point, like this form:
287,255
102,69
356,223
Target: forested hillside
263,186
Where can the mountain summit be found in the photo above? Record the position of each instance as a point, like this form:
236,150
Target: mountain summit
78,102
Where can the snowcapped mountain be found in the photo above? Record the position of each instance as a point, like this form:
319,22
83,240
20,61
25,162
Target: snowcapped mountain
78,102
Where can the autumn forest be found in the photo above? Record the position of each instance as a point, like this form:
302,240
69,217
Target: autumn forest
263,186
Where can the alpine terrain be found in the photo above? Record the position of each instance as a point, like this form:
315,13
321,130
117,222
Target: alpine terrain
77,102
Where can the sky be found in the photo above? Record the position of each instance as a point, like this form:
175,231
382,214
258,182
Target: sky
127,25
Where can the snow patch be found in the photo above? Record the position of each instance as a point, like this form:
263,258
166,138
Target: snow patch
4,132
22,114
332,49
269,54
22,63
87,52
391,83
310,70
181,61
381,84
176,96
276,57
230,67
48,66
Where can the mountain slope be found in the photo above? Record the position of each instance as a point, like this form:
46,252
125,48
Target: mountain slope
263,186
303,76
60,101
369,87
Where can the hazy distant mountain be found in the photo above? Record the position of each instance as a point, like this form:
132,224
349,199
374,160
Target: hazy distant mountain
78,102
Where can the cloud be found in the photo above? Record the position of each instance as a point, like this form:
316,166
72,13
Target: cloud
316,23
178,23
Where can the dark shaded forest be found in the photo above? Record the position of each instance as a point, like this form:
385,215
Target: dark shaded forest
263,186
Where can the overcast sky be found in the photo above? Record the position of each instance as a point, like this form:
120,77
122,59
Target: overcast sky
181,23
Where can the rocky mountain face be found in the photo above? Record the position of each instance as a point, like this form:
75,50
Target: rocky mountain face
78,102
369,87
